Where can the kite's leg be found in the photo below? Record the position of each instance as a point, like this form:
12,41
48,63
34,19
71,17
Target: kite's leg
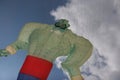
36,67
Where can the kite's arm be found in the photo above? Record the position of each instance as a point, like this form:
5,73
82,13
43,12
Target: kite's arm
17,45
23,40
80,53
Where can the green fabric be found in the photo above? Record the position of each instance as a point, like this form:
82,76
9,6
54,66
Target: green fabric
49,42
62,23
4,52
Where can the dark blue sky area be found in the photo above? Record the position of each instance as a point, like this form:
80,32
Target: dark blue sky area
29,10
13,15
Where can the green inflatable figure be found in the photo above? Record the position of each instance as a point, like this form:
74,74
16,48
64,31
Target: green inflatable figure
44,44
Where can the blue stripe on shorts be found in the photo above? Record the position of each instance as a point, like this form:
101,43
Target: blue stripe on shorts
22,76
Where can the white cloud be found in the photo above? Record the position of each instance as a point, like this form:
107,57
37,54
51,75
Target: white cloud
96,68
99,21
115,75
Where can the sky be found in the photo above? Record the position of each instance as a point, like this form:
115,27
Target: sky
96,20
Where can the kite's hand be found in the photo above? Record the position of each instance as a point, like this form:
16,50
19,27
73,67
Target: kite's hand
4,52
79,77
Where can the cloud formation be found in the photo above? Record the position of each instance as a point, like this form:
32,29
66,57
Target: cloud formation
98,21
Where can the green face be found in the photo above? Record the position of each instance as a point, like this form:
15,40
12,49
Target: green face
62,23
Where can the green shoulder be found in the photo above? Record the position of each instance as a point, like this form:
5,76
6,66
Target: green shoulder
78,40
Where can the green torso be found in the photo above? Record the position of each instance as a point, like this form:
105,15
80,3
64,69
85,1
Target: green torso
49,43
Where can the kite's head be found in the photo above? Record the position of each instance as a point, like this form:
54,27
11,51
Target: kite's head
62,23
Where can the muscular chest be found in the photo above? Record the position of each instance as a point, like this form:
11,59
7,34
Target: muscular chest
49,41
47,37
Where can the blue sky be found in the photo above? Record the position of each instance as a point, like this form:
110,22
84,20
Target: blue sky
13,15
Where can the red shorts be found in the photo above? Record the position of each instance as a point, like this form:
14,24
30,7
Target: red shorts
36,67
